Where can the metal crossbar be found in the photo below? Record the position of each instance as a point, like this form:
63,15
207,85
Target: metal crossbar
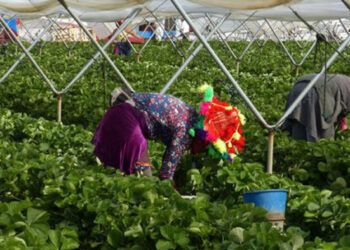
270,128
37,67
59,34
6,32
152,15
293,36
237,58
219,62
57,93
26,27
35,42
94,58
223,41
203,43
192,56
241,24
125,36
291,58
97,45
344,27
252,40
166,33
318,33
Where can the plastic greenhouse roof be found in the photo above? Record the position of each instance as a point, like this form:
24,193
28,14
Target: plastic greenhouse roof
111,10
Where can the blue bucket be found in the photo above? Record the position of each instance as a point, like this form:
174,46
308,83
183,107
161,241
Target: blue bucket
272,200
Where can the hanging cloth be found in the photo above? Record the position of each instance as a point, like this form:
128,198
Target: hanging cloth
334,100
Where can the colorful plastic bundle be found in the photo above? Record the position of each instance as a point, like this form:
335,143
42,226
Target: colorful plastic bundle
220,124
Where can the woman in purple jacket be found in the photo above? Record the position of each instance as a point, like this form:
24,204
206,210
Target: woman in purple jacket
121,137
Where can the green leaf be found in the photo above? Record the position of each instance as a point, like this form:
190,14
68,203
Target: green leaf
134,231
313,206
69,243
181,238
69,232
326,214
36,234
285,246
150,196
165,232
5,220
345,241
15,207
165,245
322,166
115,238
340,182
36,216
326,193
237,235
195,230
15,243
54,236
297,241
308,214
44,147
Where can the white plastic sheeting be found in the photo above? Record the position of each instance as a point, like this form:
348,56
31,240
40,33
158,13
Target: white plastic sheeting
311,10
40,6
243,4
111,10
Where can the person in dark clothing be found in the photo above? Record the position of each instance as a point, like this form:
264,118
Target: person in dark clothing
325,105
123,46
123,49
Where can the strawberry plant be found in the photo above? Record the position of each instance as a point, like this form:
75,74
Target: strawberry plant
56,195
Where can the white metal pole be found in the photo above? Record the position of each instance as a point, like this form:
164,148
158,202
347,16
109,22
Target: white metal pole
88,64
8,72
97,45
221,65
190,58
47,80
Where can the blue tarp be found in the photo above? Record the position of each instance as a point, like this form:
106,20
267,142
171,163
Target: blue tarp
147,34
13,24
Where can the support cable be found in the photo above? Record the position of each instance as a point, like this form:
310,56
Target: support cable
318,33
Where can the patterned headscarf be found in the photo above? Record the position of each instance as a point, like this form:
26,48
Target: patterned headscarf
120,95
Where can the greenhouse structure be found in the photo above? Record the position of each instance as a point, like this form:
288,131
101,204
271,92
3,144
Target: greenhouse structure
56,64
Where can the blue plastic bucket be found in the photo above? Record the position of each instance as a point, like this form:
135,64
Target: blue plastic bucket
272,200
